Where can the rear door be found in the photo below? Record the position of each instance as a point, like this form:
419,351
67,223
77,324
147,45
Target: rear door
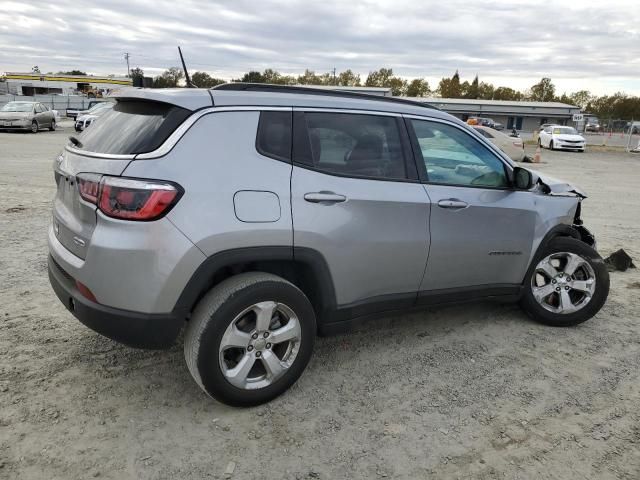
357,200
481,229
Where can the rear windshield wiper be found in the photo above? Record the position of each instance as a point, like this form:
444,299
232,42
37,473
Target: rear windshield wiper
75,141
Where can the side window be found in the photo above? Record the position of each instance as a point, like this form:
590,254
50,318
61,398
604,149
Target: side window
357,145
547,130
453,157
484,133
274,135
38,108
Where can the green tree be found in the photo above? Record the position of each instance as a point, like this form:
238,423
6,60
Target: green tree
418,87
580,98
73,72
543,91
348,79
485,91
204,80
473,91
251,77
506,93
450,87
385,78
169,78
136,73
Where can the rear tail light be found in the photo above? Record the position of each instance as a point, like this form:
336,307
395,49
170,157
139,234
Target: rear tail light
85,292
129,198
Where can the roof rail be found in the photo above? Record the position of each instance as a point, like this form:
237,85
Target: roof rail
268,87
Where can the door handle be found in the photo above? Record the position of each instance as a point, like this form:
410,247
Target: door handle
324,197
452,203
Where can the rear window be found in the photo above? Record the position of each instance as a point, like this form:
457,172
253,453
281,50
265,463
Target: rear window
132,127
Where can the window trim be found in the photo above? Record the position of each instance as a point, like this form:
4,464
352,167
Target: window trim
420,163
411,172
264,153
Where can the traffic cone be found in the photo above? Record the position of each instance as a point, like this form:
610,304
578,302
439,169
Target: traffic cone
536,156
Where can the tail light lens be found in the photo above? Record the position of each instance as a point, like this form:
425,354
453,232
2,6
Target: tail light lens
129,198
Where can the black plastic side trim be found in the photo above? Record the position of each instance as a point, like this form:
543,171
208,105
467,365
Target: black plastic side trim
347,317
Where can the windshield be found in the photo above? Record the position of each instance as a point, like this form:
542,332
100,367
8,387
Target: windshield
99,106
565,131
17,107
132,127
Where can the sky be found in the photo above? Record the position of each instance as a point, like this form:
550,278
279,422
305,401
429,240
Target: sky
584,44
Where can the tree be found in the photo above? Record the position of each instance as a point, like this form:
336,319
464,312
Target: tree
73,72
136,73
204,80
251,77
473,91
580,98
348,79
450,87
543,91
169,78
35,69
418,87
486,91
309,77
506,93
385,78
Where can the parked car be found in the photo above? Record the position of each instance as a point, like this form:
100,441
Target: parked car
512,147
487,122
76,112
592,124
83,121
30,116
256,216
557,137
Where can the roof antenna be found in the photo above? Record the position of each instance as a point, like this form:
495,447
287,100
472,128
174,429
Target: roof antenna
190,84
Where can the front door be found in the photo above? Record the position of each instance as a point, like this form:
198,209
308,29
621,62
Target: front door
356,199
481,229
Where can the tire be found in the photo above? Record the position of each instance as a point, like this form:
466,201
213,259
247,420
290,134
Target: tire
232,303
550,144
539,142
34,127
52,127
591,265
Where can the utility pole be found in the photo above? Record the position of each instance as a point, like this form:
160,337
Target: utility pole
334,76
126,57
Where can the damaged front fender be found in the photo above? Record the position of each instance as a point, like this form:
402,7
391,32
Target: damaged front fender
554,186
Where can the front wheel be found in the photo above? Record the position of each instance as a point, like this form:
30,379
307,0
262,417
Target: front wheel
52,127
550,144
567,284
34,127
250,338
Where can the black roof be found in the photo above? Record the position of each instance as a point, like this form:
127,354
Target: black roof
267,87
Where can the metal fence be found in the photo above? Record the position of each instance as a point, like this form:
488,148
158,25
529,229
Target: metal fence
55,102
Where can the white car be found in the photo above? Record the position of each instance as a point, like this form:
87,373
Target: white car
83,121
559,137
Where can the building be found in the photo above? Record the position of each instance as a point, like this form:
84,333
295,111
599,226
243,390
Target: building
38,83
527,116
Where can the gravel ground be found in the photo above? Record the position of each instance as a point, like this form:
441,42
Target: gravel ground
474,392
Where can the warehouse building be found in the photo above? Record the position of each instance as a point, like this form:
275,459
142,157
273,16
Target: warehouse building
527,116
38,83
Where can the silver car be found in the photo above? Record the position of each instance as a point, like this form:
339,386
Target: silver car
30,116
258,216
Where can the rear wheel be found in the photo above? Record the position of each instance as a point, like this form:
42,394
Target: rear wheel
550,144
52,127
567,284
34,127
250,339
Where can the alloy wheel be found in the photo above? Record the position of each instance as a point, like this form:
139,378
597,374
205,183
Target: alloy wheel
563,282
260,345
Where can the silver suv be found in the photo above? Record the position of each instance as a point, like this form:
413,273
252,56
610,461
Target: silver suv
258,216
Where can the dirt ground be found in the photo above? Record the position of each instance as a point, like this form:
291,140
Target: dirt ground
471,392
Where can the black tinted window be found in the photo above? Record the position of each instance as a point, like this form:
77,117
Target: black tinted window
274,135
350,144
132,127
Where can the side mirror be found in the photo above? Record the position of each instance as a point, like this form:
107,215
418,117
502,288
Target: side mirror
523,178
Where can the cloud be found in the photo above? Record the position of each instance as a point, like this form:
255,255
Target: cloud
583,45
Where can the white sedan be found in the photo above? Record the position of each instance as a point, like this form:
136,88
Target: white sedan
558,137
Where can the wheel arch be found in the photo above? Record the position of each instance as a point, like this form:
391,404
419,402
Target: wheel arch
306,268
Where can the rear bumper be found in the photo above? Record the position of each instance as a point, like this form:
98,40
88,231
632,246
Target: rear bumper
141,330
